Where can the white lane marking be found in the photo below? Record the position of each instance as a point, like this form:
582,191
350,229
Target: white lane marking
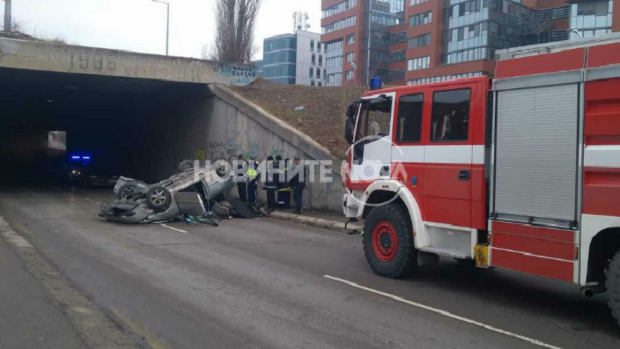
445,313
175,229
93,201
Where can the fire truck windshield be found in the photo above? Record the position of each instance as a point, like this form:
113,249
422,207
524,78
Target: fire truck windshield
374,118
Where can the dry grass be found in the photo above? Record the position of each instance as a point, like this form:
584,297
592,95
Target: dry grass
324,111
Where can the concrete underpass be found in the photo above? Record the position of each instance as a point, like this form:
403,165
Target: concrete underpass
135,127
128,113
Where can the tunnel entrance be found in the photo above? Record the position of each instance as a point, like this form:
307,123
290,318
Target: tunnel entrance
122,126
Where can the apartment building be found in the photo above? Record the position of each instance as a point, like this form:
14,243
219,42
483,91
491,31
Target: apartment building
419,41
295,59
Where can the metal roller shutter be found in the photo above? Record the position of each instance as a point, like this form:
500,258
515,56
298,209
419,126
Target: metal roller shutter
536,153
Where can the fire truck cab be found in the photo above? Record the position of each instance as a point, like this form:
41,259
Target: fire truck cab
520,172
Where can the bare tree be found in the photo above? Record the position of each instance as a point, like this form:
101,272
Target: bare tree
235,20
17,26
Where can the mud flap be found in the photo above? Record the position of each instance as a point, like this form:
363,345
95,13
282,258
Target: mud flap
481,254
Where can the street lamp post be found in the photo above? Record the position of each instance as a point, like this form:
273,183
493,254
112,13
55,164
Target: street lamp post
7,15
167,22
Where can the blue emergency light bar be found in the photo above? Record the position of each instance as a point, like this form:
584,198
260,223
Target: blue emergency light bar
79,157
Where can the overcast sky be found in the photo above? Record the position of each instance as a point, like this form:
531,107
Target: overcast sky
140,25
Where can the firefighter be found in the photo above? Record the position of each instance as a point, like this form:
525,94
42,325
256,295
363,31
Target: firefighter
271,184
284,189
298,183
241,178
253,178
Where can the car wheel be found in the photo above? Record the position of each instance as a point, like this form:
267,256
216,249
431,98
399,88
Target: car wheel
388,241
158,198
613,287
222,168
185,165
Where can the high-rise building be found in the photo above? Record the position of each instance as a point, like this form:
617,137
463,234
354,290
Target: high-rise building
419,41
294,59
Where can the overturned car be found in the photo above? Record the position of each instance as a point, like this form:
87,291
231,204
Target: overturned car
139,202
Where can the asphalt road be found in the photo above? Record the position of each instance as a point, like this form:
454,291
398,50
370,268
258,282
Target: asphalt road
262,284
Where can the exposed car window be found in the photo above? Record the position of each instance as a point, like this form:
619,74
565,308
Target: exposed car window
409,127
450,121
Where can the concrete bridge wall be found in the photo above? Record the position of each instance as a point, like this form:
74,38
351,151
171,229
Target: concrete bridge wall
42,56
237,126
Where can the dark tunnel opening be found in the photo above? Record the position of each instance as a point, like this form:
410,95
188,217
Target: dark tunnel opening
112,126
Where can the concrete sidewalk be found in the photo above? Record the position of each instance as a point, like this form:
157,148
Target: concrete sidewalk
30,318
320,219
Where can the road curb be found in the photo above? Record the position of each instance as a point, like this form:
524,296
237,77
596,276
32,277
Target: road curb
318,222
98,331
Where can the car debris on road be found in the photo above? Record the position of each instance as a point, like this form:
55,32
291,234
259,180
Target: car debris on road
139,202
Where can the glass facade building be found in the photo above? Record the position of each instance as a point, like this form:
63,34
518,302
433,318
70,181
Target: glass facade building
280,59
589,19
382,15
333,61
476,28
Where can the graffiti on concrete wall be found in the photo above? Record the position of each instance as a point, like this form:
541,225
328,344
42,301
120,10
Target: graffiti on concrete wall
230,148
236,74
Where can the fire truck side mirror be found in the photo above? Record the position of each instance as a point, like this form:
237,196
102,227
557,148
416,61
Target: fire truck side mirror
352,109
348,130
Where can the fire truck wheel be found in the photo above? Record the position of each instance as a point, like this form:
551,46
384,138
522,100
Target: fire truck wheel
388,241
613,287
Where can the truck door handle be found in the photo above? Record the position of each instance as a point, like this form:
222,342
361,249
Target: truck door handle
464,175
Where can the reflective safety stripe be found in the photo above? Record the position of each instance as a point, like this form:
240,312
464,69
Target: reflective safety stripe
252,174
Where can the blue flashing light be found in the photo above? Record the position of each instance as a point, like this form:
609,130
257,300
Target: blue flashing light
86,157
76,157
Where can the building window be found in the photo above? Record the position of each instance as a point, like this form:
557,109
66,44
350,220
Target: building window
419,63
350,57
469,55
318,74
311,45
311,73
589,19
281,43
334,61
421,19
398,56
409,127
320,61
419,41
320,84
384,20
450,117
350,39
318,47
313,59
416,2
312,83
342,24
350,75
340,7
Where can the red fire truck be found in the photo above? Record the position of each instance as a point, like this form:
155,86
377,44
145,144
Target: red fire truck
520,172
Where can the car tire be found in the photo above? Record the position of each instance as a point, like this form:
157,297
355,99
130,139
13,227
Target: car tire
612,283
185,165
388,241
222,168
158,198
126,190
